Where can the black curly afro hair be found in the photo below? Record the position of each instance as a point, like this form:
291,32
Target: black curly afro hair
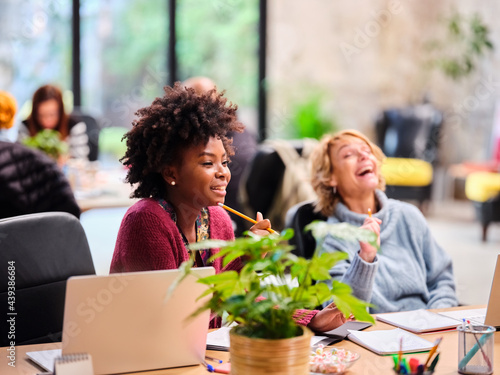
180,119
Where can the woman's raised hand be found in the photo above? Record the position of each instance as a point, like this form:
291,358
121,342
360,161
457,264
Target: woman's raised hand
327,319
262,225
368,252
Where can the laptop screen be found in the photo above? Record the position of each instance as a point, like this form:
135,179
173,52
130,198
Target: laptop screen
493,309
127,323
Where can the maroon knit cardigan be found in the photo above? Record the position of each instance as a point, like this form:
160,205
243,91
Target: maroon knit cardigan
149,239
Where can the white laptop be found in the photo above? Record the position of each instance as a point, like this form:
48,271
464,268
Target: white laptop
489,315
127,323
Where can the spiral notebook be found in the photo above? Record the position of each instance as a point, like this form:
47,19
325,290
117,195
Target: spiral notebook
127,323
74,364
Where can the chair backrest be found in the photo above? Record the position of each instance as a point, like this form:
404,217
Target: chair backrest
93,131
410,132
39,252
297,218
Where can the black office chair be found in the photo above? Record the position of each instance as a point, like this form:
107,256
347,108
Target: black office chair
297,218
409,133
38,253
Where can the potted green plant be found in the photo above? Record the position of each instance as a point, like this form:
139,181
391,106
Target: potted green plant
48,141
265,310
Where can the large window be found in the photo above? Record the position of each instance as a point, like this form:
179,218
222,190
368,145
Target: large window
123,56
124,51
35,47
219,39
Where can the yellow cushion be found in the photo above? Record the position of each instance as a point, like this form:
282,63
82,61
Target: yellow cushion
481,186
407,172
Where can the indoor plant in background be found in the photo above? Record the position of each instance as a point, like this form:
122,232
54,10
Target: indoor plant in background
467,42
267,335
309,119
49,141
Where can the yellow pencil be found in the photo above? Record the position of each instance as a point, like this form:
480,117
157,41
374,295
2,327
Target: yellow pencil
431,353
244,217
370,212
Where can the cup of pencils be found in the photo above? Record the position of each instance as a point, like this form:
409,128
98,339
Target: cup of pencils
403,365
475,349
413,365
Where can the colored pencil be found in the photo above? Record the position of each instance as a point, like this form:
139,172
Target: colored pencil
244,217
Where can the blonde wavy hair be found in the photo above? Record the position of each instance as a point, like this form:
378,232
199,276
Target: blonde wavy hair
322,168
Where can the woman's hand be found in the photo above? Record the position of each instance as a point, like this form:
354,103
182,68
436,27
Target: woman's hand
327,319
368,252
261,227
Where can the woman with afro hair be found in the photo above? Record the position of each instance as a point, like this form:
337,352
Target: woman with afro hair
178,153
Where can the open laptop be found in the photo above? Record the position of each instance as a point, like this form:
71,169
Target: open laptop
489,315
127,323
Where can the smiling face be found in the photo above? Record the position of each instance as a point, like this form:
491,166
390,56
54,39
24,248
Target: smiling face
355,167
48,114
201,176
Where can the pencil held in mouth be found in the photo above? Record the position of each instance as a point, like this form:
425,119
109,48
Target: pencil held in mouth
244,217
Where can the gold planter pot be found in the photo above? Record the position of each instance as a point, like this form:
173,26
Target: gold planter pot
251,356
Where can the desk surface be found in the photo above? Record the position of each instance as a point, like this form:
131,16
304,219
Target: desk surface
104,189
369,363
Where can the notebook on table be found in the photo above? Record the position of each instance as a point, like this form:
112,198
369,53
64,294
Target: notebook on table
489,316
127,323
388,341
418,321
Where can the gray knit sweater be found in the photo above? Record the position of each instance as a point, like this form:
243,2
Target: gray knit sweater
411,271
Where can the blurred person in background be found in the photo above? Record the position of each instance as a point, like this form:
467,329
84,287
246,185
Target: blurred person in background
48,113
30,181
8,109
411,271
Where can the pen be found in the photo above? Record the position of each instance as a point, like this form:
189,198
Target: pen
433,350
414,362
473,350
463,327
210,368
244,217
395,360
400,354
434,363
477,345
405,366
214,359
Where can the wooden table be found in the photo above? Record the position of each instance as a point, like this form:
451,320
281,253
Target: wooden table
369,363
104,189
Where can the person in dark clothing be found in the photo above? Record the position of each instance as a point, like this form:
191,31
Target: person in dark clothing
31,182
48,113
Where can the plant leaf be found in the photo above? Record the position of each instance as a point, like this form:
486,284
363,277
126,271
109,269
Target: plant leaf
343,231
